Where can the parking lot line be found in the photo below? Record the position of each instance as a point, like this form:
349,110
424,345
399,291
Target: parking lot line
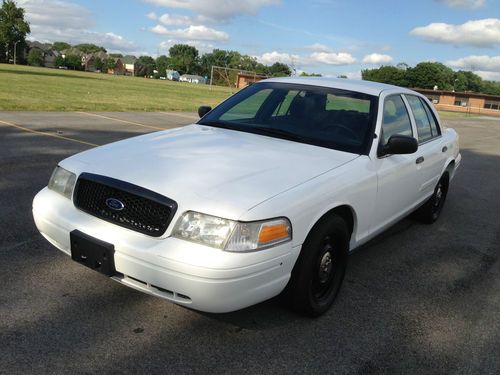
181,115
46,134
120,120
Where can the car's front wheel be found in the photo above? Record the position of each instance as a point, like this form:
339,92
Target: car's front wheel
319,271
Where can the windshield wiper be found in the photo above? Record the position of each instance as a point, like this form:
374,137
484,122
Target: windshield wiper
281,133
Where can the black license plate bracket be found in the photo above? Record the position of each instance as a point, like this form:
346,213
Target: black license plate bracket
92,253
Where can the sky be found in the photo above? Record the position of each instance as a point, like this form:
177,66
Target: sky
331,37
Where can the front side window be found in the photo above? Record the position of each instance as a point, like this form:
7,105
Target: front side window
320,116
395,119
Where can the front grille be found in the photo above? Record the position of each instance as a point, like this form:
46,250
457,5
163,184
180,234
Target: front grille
134,207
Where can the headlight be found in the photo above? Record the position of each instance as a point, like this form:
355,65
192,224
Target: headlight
231,235
62,181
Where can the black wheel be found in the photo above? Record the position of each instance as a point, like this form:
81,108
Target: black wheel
319,271
431,210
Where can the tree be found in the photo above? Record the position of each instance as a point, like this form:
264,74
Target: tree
60,46
426,75
279,70
13,30
145,66
304,74
60,61
162,65
73,62
98,63
89,48
386,74
35,57
183,58
467,81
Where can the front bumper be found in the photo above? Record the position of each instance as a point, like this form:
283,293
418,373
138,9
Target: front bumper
189,274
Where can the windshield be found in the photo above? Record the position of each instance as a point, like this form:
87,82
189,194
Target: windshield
326,117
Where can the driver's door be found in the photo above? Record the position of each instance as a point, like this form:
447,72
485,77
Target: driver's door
398,181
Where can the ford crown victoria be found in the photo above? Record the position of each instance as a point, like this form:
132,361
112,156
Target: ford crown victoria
265,195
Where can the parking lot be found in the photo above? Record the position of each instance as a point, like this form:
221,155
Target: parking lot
418,298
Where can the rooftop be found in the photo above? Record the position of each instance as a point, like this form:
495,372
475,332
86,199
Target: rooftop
367,87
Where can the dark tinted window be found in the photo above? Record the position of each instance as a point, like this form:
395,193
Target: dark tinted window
327,117
395,119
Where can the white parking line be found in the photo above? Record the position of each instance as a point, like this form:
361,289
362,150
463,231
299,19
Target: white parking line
47,134
120,120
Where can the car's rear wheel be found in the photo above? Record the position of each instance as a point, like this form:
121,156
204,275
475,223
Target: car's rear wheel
431,210
319,271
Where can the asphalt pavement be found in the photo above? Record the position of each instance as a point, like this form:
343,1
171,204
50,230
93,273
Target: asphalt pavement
417,299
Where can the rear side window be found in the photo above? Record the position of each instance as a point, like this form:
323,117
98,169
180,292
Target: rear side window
427,126
434,126
395,118
422,121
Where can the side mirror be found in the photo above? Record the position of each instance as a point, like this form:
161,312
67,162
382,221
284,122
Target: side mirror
203,110
399,144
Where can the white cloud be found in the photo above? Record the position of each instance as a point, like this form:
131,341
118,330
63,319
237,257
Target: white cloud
56,20
175,19
318,47
489,76
152,16
55,12
270,58
191,33
217,9
482,63
332,58
377,59
478,33
469,4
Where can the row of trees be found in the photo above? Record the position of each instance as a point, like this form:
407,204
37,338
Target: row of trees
427,75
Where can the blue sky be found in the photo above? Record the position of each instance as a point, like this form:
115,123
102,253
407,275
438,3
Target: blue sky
331,37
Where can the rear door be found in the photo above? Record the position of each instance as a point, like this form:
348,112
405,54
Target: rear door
431,149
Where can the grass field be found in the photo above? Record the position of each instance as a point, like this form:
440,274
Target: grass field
24,88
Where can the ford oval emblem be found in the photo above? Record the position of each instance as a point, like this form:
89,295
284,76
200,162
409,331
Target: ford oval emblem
115,204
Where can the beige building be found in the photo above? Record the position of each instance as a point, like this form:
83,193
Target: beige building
467,102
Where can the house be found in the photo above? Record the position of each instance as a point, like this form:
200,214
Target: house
466,102
173,75
88,63
71,51
49,54
130,64
245,79
191,78
118,68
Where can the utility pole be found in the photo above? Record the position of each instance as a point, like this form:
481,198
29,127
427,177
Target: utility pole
15,44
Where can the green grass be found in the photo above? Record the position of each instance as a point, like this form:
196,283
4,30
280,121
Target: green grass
449,114
25,88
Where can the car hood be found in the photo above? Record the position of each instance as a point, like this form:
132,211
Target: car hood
210,169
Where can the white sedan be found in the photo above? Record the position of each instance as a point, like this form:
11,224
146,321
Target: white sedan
265,195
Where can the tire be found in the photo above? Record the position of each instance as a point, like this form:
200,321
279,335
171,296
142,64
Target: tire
320,268
431,210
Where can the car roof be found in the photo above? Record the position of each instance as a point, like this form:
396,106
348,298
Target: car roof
367,87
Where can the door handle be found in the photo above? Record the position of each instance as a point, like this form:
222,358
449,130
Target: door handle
444,149
420,160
